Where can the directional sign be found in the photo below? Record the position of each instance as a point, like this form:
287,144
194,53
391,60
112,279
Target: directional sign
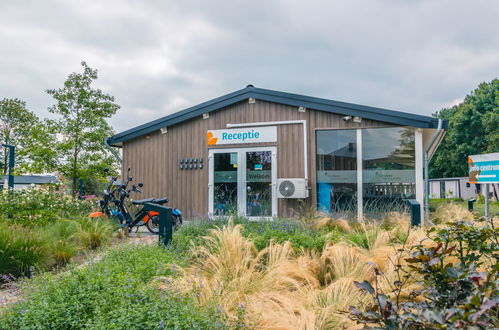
484,168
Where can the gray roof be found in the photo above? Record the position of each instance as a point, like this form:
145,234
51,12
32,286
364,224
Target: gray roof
315,103
32,179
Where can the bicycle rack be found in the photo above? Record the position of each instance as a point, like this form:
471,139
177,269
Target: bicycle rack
165,221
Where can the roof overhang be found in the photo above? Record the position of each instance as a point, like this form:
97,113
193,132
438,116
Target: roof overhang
313,103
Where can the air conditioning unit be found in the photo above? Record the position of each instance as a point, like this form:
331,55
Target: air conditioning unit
292,188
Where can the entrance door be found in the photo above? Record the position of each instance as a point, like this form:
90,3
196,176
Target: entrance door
243,181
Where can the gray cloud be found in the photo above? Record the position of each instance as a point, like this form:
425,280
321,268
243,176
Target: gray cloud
157,57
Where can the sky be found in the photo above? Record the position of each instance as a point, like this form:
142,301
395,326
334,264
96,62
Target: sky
158,57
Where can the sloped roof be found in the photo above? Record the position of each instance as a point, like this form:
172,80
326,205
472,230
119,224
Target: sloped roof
32,179
313,103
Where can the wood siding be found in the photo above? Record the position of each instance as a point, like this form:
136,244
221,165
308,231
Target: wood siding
154,158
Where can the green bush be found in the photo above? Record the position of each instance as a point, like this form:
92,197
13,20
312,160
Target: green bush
61,240
458,280
262,232
22,250
38,206
114,293
92,233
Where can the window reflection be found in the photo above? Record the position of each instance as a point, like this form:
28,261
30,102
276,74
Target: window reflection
337,172
388,161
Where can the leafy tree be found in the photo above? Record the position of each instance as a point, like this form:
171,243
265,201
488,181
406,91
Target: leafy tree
22,128
82,126
473,129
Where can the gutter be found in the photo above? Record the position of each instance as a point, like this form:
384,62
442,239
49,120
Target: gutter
426,170
115,154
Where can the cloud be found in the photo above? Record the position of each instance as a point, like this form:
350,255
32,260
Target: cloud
157,57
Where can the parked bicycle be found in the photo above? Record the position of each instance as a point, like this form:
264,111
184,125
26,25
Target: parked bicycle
142,217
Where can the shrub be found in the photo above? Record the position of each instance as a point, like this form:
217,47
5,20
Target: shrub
111,293
22,250
261,232
458,282
92,233
38,206
61,242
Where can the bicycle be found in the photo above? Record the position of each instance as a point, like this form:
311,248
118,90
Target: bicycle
142,217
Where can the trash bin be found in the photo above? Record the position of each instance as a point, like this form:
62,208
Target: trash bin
414,212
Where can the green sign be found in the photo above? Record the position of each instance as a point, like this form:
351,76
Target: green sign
225,176
259,176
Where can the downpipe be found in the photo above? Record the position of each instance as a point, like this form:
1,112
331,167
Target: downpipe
426,170
113,152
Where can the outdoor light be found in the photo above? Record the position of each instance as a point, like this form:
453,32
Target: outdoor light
164,130
302,109
357,119
347,118
206,115
252,100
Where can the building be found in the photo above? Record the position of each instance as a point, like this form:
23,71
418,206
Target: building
244,151
459,188
22,181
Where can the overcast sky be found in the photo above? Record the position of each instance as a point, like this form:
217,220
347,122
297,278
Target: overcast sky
157,57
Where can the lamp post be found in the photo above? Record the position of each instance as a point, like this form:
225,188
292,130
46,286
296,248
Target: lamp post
12,155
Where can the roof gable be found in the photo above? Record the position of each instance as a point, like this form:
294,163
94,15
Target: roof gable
313,103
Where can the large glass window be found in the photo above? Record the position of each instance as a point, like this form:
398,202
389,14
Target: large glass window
337,172
388,164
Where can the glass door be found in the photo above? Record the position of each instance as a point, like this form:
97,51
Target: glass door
258,183
243,181
225,183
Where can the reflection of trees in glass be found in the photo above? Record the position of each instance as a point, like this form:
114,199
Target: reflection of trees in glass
400,158
225,198
404,155
258,200
259,157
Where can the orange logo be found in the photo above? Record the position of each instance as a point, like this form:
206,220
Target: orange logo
211,140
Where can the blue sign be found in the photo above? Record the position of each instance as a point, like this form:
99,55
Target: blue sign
484,168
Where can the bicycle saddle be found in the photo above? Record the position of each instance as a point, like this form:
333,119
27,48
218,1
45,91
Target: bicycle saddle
162,200
143,201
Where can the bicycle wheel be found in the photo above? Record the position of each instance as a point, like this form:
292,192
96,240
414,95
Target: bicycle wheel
153,224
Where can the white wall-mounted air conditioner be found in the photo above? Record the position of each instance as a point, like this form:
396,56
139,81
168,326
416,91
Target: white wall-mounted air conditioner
292,188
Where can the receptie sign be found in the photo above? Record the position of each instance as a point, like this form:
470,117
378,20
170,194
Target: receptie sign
484,168
242,135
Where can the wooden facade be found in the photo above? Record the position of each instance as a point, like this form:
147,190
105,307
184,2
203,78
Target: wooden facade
154,158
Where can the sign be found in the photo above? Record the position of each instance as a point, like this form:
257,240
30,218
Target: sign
242,135
225,176
259,176
368,176
484,168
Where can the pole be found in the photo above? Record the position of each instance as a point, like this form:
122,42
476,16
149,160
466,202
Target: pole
12,157
426,170
487,201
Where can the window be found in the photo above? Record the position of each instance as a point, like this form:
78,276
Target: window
387,172
336,160
388,169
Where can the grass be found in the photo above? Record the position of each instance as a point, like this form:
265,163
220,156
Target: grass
286,284
27,249
281,274
478,210
115,292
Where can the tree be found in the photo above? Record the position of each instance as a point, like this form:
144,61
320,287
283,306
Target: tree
473,129
22,128
82,126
